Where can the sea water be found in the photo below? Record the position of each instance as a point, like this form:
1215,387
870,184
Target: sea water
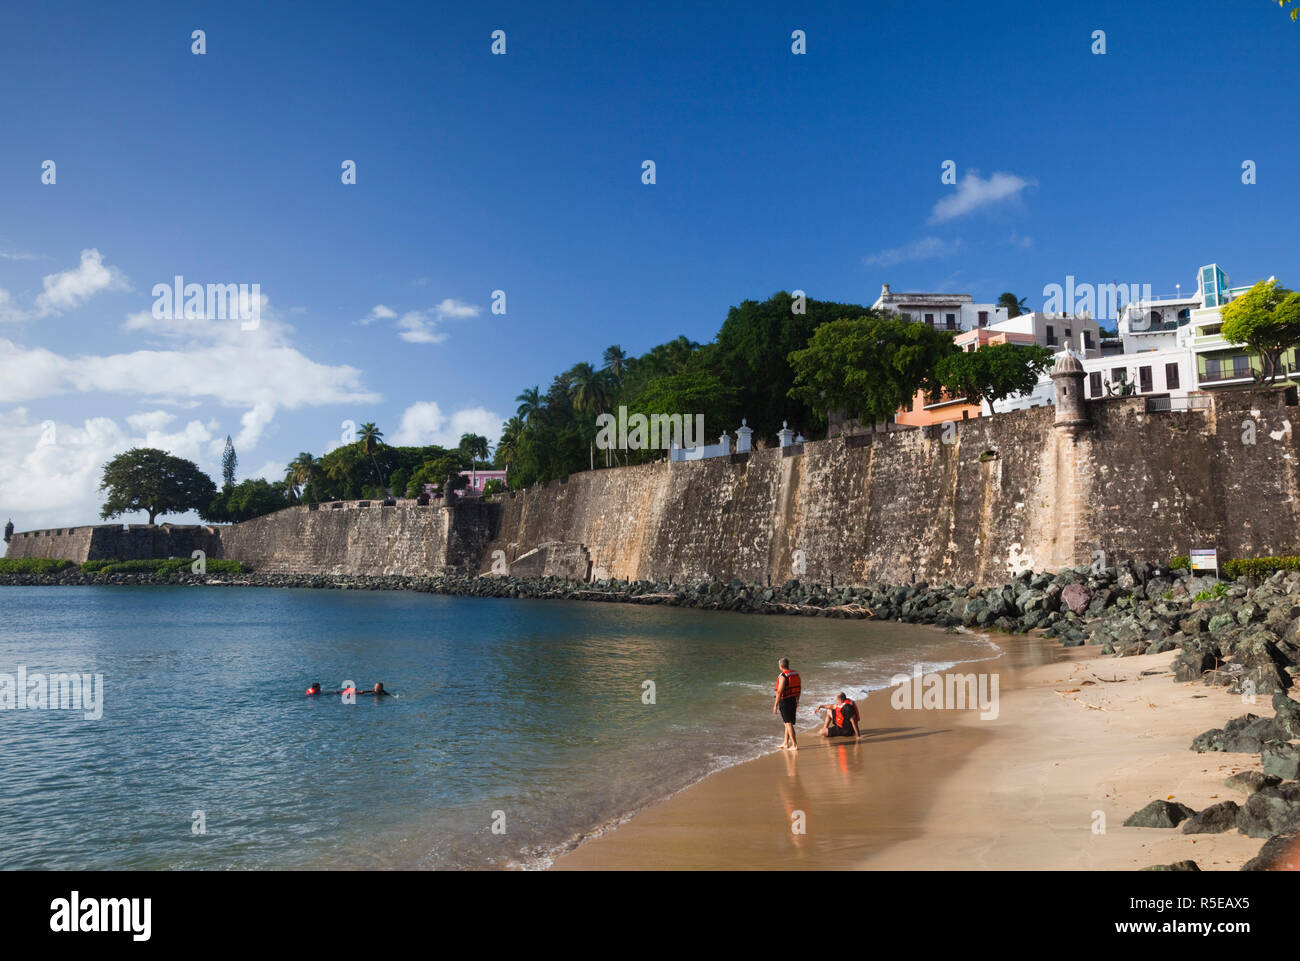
521,726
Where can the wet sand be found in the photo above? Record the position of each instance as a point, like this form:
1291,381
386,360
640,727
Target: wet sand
1080,743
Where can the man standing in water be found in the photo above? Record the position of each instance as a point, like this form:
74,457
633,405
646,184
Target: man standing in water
787,702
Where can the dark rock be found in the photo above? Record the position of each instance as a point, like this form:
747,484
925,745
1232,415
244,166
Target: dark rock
1267,812
1251,781
1281,759
1076,597
1159,814
1176,866
1279,853
1213,820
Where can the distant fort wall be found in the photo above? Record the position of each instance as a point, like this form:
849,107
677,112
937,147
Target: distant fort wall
973,500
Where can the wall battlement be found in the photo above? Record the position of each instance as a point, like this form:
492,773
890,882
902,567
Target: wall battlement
988,498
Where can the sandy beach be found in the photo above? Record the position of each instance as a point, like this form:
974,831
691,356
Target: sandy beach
1080,742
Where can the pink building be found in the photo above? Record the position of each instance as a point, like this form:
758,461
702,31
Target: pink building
478,478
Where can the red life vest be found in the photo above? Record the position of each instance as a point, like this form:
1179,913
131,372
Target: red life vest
846,712
791,685
310,691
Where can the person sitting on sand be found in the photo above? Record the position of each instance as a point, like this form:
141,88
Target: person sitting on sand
787,702
841,718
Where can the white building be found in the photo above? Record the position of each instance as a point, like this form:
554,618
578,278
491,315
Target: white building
953,312
1172,347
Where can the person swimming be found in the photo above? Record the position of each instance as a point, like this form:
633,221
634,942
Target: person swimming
376,691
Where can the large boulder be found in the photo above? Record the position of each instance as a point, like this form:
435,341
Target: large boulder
1159,814
1191,665
1281,758
1267,812
1279,853
1076,597
1249,782
1213,820
1287,718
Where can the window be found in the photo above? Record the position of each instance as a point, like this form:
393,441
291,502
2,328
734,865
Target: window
929,319
1068,334
951,319
984,318
1119,374
1087,340
1051,335
1241,367
1171,376
1094,383
1144,379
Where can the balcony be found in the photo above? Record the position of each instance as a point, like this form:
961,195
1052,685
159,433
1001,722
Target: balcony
1224,376
1191,402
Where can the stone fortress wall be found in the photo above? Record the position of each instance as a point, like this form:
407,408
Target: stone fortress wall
973,500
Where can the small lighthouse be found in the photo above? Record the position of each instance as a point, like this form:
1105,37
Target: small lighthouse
1071,411
9,531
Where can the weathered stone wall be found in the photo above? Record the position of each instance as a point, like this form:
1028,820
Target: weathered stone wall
104,541
970,501
980,500
405,539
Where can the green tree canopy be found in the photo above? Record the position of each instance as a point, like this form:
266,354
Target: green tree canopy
868,366
1266,319
152,480
993,372
751,355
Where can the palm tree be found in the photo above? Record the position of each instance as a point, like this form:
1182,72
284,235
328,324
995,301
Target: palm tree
475,447
530,404
371,437
508,445
616,362
291,484
589,389
303,470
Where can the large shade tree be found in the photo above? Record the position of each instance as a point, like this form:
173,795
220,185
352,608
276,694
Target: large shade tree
1265,319
868,366
151,480
992,372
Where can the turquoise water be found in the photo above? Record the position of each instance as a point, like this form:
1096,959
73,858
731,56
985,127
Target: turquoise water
523,716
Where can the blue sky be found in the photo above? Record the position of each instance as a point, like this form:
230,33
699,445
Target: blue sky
522,173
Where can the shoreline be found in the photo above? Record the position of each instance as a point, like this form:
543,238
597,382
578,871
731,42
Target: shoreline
1045,785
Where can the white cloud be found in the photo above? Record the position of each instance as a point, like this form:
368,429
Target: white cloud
72,288
974,193
455,309
424,423
377,312
150,420
927,248
50,472
417,327
422,326
272,470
